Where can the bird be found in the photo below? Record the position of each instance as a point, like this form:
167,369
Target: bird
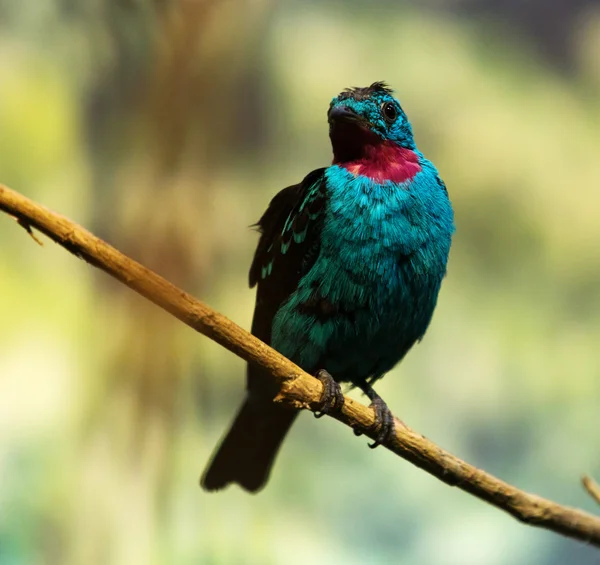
348,268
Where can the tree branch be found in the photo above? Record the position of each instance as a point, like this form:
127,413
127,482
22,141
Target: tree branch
592,487
297,388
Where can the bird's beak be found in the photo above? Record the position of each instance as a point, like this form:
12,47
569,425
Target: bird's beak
349,133
342,114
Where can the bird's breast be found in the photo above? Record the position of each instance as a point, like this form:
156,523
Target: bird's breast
372,289
368,226
382,239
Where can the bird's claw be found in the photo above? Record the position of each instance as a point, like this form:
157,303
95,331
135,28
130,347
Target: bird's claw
332,397
384,422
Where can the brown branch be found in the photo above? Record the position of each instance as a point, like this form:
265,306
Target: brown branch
28,229
592,487
298,388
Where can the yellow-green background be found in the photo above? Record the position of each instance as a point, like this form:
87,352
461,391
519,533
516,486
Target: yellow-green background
166,127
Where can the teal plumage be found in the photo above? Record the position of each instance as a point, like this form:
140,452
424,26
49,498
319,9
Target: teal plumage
376,261
349,266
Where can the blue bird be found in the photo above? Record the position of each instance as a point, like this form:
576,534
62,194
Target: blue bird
348,267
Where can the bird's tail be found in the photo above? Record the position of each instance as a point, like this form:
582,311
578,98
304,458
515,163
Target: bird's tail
246,454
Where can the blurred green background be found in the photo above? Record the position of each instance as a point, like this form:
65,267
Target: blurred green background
166,127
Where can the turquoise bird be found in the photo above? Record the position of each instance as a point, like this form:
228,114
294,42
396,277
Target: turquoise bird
348,267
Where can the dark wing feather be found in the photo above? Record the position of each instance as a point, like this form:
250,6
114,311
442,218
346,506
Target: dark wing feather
288,247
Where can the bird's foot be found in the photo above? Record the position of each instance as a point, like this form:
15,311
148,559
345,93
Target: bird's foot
384,422
332,397
384,419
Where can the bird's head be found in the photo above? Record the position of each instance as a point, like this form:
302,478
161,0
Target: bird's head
360,118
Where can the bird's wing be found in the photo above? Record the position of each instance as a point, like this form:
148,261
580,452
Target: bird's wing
288,247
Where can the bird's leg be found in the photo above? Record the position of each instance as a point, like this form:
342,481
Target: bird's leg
332,397
384,419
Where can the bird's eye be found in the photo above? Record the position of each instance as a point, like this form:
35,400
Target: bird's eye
389,111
